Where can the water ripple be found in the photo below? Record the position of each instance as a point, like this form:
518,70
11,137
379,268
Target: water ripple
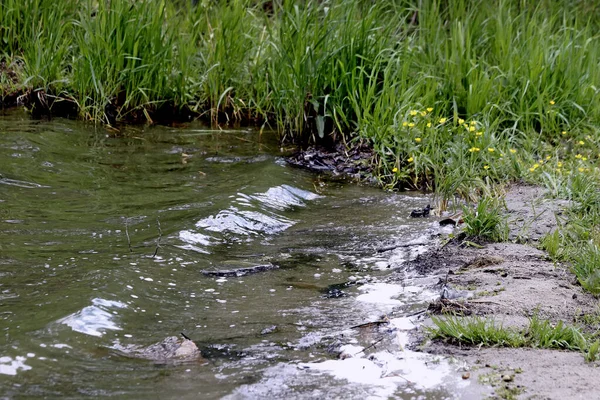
94,319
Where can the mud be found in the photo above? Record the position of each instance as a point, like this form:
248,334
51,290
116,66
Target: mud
508,283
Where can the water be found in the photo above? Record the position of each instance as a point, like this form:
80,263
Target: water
104,237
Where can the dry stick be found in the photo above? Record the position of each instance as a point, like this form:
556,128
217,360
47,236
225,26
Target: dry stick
489,302
159,237
369,346
127,234
369,324
397,246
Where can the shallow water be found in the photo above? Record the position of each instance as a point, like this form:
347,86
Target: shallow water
103,241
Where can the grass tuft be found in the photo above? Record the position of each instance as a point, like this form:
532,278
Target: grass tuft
478,331
486,221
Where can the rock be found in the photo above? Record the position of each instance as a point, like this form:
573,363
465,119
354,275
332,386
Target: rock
172,348
447,221
242,271
334,293
269,329
421,212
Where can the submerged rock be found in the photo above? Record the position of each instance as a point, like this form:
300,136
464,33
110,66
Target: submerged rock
269,329
172,348
242,271
421,212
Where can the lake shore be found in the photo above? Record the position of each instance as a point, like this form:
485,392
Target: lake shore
508,284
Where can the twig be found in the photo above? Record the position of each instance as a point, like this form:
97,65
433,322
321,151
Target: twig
127,234
370,324
396,374
159,237
369,346
397,246
415,313
488,302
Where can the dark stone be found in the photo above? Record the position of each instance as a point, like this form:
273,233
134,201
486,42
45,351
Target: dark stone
240,271
447,221
421,212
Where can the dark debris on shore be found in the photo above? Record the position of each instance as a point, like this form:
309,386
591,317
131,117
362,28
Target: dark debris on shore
340,161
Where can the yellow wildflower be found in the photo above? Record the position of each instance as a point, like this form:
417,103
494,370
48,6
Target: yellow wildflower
581,169
472,129
405,123
410,159
423,113
559,164
411,124
531,169
429,109
513,151
413,112
578,156
478,133
473,123
429,124
418,140
461,121
536,165
548,157
486,167
552,102
395,169
564,132
491,149
581,142
584,158
442,120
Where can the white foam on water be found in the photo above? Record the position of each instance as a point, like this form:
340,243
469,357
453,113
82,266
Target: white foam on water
239,222
61,346
95,319
388,372
388,294
285,196
237,219
195,239
10,366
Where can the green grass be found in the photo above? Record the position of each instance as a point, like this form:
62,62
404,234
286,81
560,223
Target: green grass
486,221
475,332
479,331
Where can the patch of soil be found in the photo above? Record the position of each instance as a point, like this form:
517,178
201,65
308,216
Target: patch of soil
527,373
355,162
531,215
509,283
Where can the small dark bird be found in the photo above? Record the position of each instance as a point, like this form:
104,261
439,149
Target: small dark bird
421,212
